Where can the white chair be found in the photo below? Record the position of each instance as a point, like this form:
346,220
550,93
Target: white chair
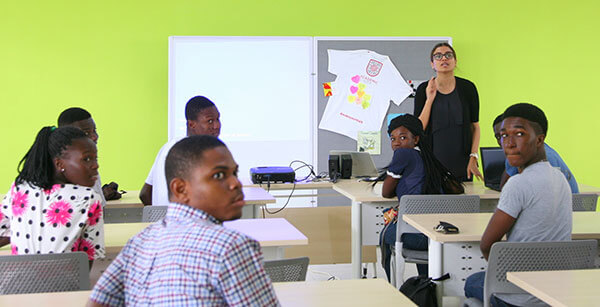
44,273
424,204
532,256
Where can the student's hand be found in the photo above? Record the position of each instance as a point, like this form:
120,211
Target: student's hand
472,169
431,89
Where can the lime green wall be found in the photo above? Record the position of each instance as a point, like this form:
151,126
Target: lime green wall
110,57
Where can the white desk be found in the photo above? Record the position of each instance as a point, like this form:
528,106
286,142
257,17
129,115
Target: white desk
560,288
367,220
364,292
272,234
459,254
254,197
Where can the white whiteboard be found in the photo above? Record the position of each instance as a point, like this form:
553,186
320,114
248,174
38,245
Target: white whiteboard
261,85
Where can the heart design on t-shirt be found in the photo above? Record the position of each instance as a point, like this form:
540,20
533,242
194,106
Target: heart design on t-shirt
356,78
361,86
353,89
361,93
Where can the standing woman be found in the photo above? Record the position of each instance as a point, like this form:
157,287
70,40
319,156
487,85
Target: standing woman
448,107
51,207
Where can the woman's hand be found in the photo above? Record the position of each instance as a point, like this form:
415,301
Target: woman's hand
472,169
431,89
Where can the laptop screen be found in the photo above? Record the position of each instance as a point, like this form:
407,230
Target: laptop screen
492,161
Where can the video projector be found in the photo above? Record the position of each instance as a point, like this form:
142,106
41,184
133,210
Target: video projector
272,174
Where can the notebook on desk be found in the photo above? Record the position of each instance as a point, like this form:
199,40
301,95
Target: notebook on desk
492,162
362,163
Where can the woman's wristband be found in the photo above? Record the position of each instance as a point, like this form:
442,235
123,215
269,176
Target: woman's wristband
474,155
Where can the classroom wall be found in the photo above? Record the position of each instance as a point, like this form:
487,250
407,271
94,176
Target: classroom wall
110,57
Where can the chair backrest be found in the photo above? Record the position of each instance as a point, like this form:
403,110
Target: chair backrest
122,215
534,256
154,213
585,202
44,273
432,204
287,269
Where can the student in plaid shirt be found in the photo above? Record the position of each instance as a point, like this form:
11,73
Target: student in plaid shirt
189,258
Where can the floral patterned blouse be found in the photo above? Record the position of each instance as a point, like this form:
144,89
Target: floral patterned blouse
66,218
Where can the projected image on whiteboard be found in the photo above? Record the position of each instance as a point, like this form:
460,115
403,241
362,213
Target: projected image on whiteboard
261,86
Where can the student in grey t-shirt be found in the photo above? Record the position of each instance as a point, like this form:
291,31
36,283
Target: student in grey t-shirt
535,205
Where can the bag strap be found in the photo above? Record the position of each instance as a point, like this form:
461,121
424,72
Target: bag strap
443,277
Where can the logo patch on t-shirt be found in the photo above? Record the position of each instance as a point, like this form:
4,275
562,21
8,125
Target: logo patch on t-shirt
374,67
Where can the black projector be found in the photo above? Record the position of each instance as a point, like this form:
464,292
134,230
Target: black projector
272,174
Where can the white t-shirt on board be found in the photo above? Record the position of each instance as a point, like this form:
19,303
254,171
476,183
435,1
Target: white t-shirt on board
366,82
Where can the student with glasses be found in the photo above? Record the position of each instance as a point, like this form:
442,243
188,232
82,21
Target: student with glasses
448,107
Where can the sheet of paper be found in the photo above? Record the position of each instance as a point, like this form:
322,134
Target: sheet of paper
369,141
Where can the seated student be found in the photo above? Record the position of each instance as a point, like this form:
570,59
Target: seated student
413,170
202,118
51,207
82,119
189,258
535,204
551,155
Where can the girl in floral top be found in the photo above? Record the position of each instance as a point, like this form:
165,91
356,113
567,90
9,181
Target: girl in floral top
51,207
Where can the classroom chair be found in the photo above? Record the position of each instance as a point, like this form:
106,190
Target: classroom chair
122,215
532,256
585,202
424,204
152,214
44,273
293,269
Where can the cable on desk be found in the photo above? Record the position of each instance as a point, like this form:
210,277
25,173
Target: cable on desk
286,203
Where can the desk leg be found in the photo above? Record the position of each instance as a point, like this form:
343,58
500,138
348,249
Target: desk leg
356,246
251,211
436,266
273,252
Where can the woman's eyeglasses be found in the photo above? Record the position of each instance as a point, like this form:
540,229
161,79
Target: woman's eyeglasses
447,55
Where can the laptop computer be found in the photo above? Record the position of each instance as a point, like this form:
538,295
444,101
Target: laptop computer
362,163
492,162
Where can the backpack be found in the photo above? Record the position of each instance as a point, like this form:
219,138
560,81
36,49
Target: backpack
421,290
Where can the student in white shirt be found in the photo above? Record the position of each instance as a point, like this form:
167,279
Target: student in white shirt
203,118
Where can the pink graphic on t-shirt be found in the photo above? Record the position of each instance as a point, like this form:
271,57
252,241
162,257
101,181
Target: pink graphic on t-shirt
59,213
82,245
53,189
95,213
19,203
13,249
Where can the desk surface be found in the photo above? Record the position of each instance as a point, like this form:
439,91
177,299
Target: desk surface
252,196
357,292
364,192
362,292
288,186
472,225
268,232
560,288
